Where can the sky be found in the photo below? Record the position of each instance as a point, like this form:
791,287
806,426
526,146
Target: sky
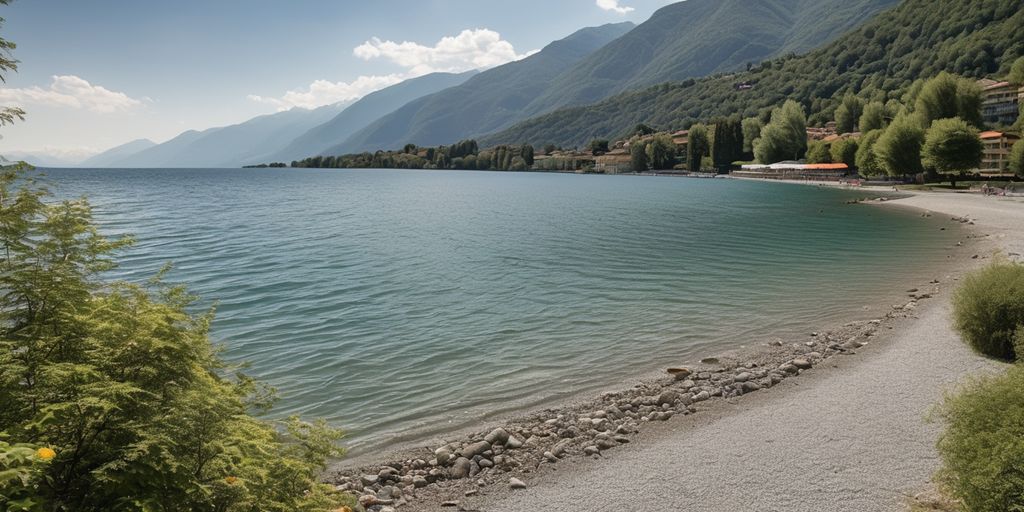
99,73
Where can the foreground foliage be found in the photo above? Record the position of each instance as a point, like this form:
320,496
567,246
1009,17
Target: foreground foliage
112,396
989,310
983,446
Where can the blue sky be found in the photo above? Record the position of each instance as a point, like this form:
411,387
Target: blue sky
98,73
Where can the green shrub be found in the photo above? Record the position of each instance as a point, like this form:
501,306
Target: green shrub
112,396
983,446
989,309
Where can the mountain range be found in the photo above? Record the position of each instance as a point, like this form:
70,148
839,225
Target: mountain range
680,66
879,60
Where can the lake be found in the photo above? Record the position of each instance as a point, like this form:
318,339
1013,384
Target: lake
400,304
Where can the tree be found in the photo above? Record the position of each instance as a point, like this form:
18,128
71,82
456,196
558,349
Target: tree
642,129
638,156
751,132
121,387
947,96
951,146
598,146
1017,158
727,143
899,148
785,137
661,152
844,151
873,117
867,161
1017,72
818,153
848,113
697,147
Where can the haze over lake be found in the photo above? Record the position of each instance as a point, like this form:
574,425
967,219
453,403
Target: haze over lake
401,303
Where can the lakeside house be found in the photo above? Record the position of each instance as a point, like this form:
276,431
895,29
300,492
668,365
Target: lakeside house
792,170
1000,102
995,159
616,161
564,160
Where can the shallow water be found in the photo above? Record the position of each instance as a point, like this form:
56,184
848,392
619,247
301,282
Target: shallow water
400,303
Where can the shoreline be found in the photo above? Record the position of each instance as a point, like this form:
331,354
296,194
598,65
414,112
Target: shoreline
574,431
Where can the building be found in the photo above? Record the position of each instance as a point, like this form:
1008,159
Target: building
1000,102
614,162
794,171
995,159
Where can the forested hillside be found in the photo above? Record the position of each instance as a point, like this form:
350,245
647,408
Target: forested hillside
879,60
489,101
367,110
698,38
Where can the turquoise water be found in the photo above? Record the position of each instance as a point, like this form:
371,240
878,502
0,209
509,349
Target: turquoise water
400,303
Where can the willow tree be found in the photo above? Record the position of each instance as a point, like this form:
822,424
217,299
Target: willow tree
784,137
899,148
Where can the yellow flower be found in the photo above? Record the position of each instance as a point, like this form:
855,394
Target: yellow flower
231,480
344,509
46,454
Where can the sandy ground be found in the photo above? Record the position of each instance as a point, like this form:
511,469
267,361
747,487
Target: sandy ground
851,437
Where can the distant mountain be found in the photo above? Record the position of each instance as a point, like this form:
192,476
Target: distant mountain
108,157
698,38
47,158
489,101
232,146
881,59
365,111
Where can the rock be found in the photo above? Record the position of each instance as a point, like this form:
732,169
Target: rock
485,463
743,377
561,448
369,479
667,397
515,483
419,481
443,456
475,449
702,396
591,450
709,360
513,442
605,444
802,364
461,468
474,468
497,436
451,503
550,457
750,386
680,373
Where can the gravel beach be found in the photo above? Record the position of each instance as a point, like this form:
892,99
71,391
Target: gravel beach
855,437
837,421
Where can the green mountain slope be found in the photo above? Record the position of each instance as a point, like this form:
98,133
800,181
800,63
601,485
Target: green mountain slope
365,111
698,38
491,100
918,39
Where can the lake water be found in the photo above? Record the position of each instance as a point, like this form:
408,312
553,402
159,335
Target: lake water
398,304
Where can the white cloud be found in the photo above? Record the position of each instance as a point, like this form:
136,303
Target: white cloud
325,92
72,92
470,49
613,5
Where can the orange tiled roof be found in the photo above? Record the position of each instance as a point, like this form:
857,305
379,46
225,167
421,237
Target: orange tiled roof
827,167
991,135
